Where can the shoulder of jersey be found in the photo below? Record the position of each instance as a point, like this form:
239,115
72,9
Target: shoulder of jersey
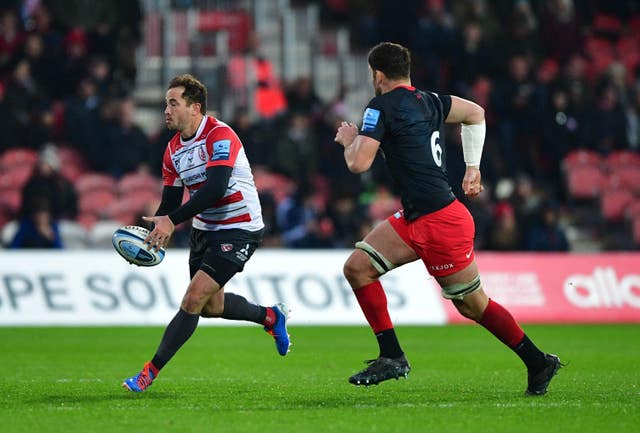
128,241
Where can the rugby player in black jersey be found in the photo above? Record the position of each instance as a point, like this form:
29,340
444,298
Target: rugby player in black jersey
407,125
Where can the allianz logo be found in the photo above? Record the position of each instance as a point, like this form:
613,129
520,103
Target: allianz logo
603,288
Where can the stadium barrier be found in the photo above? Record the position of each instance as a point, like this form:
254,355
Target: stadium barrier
100,288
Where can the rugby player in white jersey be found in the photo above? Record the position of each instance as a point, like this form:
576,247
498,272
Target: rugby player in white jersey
206,157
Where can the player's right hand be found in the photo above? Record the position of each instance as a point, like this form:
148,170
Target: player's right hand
471,183
162,231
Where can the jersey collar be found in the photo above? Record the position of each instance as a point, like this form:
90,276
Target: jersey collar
410,88
198,132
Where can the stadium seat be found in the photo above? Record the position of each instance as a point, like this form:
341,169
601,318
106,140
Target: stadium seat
90,182
15,176
17,157
101,233
96,202
127,208
633,210
585,182
614,203
10,200
582,157
607,24
138,181
87,219
73,234
629,177
277,185
622,158
73,165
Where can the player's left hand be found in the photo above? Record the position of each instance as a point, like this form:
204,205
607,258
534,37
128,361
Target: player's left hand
347,132
471,183
159,236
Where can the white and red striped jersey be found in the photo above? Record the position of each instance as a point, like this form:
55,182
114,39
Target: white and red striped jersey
185,164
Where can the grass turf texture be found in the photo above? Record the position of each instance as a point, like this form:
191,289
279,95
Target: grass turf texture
232,380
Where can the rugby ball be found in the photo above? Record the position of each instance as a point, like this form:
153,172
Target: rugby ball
129,243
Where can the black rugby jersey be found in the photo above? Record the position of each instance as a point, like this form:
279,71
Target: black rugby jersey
409,124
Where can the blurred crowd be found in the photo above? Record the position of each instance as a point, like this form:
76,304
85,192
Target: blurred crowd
552,75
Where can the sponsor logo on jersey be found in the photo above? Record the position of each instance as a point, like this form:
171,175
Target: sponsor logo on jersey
370,119
194,178
442,267
226,247
221,150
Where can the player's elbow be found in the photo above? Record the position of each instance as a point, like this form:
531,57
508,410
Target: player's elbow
475,114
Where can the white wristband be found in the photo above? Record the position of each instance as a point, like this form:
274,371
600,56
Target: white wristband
472,142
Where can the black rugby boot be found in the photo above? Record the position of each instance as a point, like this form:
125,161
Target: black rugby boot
539,381
381,369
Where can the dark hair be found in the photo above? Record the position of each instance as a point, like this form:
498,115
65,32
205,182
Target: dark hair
393,60
194,90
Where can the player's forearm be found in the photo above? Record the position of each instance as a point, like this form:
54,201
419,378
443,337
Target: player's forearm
171,199
357,160
212,191
472,136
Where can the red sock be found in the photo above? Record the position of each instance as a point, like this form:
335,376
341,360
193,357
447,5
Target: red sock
269,318
501,323
373,303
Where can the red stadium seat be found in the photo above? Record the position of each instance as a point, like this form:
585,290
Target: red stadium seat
585,182
128,208
629,177
138,181
87,219
90,182
18,157
10,201
607,24
634,209
582,157
72,164
16,176
614,203
622,158
96,201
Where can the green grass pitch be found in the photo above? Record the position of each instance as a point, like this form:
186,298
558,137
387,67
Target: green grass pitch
230,379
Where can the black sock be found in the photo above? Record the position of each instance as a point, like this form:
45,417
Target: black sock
237,307
177,333
389,345
532,357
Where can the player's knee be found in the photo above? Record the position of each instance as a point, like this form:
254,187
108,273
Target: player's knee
194,302
468,311
357,268
212,311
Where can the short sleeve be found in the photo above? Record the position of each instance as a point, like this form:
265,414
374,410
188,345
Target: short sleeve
446,105
373,120
223,145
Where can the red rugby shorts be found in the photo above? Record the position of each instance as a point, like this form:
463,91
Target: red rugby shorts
443,239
